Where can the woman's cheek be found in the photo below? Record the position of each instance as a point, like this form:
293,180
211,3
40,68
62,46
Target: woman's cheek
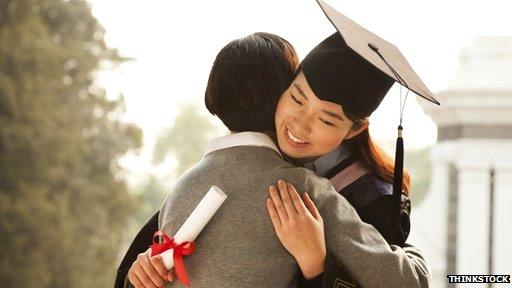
279,114
283,109
327,141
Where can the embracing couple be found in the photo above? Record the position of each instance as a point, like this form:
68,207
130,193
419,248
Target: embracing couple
309,195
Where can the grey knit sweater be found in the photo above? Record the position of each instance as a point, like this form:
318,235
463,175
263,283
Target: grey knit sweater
239,248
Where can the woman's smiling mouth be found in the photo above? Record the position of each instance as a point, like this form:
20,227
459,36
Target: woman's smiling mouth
294,140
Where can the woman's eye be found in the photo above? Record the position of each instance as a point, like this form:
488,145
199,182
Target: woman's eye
327,122
296,101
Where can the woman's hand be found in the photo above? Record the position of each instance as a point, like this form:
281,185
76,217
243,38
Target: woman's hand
299,227
149,272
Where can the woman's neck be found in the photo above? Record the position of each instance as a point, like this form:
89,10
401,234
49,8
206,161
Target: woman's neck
302,161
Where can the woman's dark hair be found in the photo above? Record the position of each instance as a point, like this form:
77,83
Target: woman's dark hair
247,78
375,158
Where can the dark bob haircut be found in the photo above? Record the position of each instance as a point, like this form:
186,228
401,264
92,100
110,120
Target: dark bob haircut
247,79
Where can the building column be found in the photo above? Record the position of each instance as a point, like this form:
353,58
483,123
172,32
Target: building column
502,215
429,228
474,185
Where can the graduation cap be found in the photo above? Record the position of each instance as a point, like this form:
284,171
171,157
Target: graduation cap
356,68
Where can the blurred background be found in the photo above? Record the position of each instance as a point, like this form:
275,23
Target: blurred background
101,109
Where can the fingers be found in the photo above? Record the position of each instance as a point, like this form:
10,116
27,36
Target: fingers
159,266
296,200
278,204
149,272
272,211
143,277
285,197
137,275
311,206
134,279
171,275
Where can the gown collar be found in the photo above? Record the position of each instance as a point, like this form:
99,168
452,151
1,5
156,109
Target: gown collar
325,163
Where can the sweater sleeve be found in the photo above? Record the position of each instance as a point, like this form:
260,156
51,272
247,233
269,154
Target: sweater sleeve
361,249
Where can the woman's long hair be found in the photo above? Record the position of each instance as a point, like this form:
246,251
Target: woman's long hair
375,158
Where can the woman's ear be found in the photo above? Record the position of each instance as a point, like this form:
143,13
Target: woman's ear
354,132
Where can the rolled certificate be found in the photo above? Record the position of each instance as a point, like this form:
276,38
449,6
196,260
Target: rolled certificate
196,222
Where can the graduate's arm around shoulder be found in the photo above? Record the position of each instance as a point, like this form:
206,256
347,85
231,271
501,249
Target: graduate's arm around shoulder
360,248
374,202
380,213
139,269
139,245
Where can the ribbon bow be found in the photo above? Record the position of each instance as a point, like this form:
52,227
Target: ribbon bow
179,250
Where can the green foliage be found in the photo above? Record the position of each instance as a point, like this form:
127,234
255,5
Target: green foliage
186,139
418,164
150,196
62,207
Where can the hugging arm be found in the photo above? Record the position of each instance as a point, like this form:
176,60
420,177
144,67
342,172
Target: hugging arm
379,213
138,268
362,250
356,250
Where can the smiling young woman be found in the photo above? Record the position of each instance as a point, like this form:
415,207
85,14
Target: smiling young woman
308,127
322,123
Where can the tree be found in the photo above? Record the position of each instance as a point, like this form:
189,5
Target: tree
62,207
185,139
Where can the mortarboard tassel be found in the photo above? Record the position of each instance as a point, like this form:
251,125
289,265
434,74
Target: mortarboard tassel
399,171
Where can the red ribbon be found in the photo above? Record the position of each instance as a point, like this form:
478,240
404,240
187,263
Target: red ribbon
179,250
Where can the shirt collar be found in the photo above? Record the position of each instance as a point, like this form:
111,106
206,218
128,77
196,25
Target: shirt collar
241,139
325,163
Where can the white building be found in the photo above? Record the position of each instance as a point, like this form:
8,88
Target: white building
464,225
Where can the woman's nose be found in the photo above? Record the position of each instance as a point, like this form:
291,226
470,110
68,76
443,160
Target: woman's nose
303,122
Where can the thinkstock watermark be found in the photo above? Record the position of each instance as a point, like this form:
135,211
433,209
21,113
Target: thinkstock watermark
478,278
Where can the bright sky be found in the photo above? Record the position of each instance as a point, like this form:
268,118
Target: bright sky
175,42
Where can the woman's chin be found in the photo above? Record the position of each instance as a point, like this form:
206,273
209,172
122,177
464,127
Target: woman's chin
298,156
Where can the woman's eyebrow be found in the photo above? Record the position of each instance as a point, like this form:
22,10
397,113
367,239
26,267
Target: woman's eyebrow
300,90
335,115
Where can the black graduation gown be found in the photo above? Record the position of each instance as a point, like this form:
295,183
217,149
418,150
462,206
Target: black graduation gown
372,199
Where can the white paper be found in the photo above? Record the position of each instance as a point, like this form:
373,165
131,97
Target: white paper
196,222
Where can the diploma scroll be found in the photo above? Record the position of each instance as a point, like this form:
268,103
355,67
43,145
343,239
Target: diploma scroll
196,222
